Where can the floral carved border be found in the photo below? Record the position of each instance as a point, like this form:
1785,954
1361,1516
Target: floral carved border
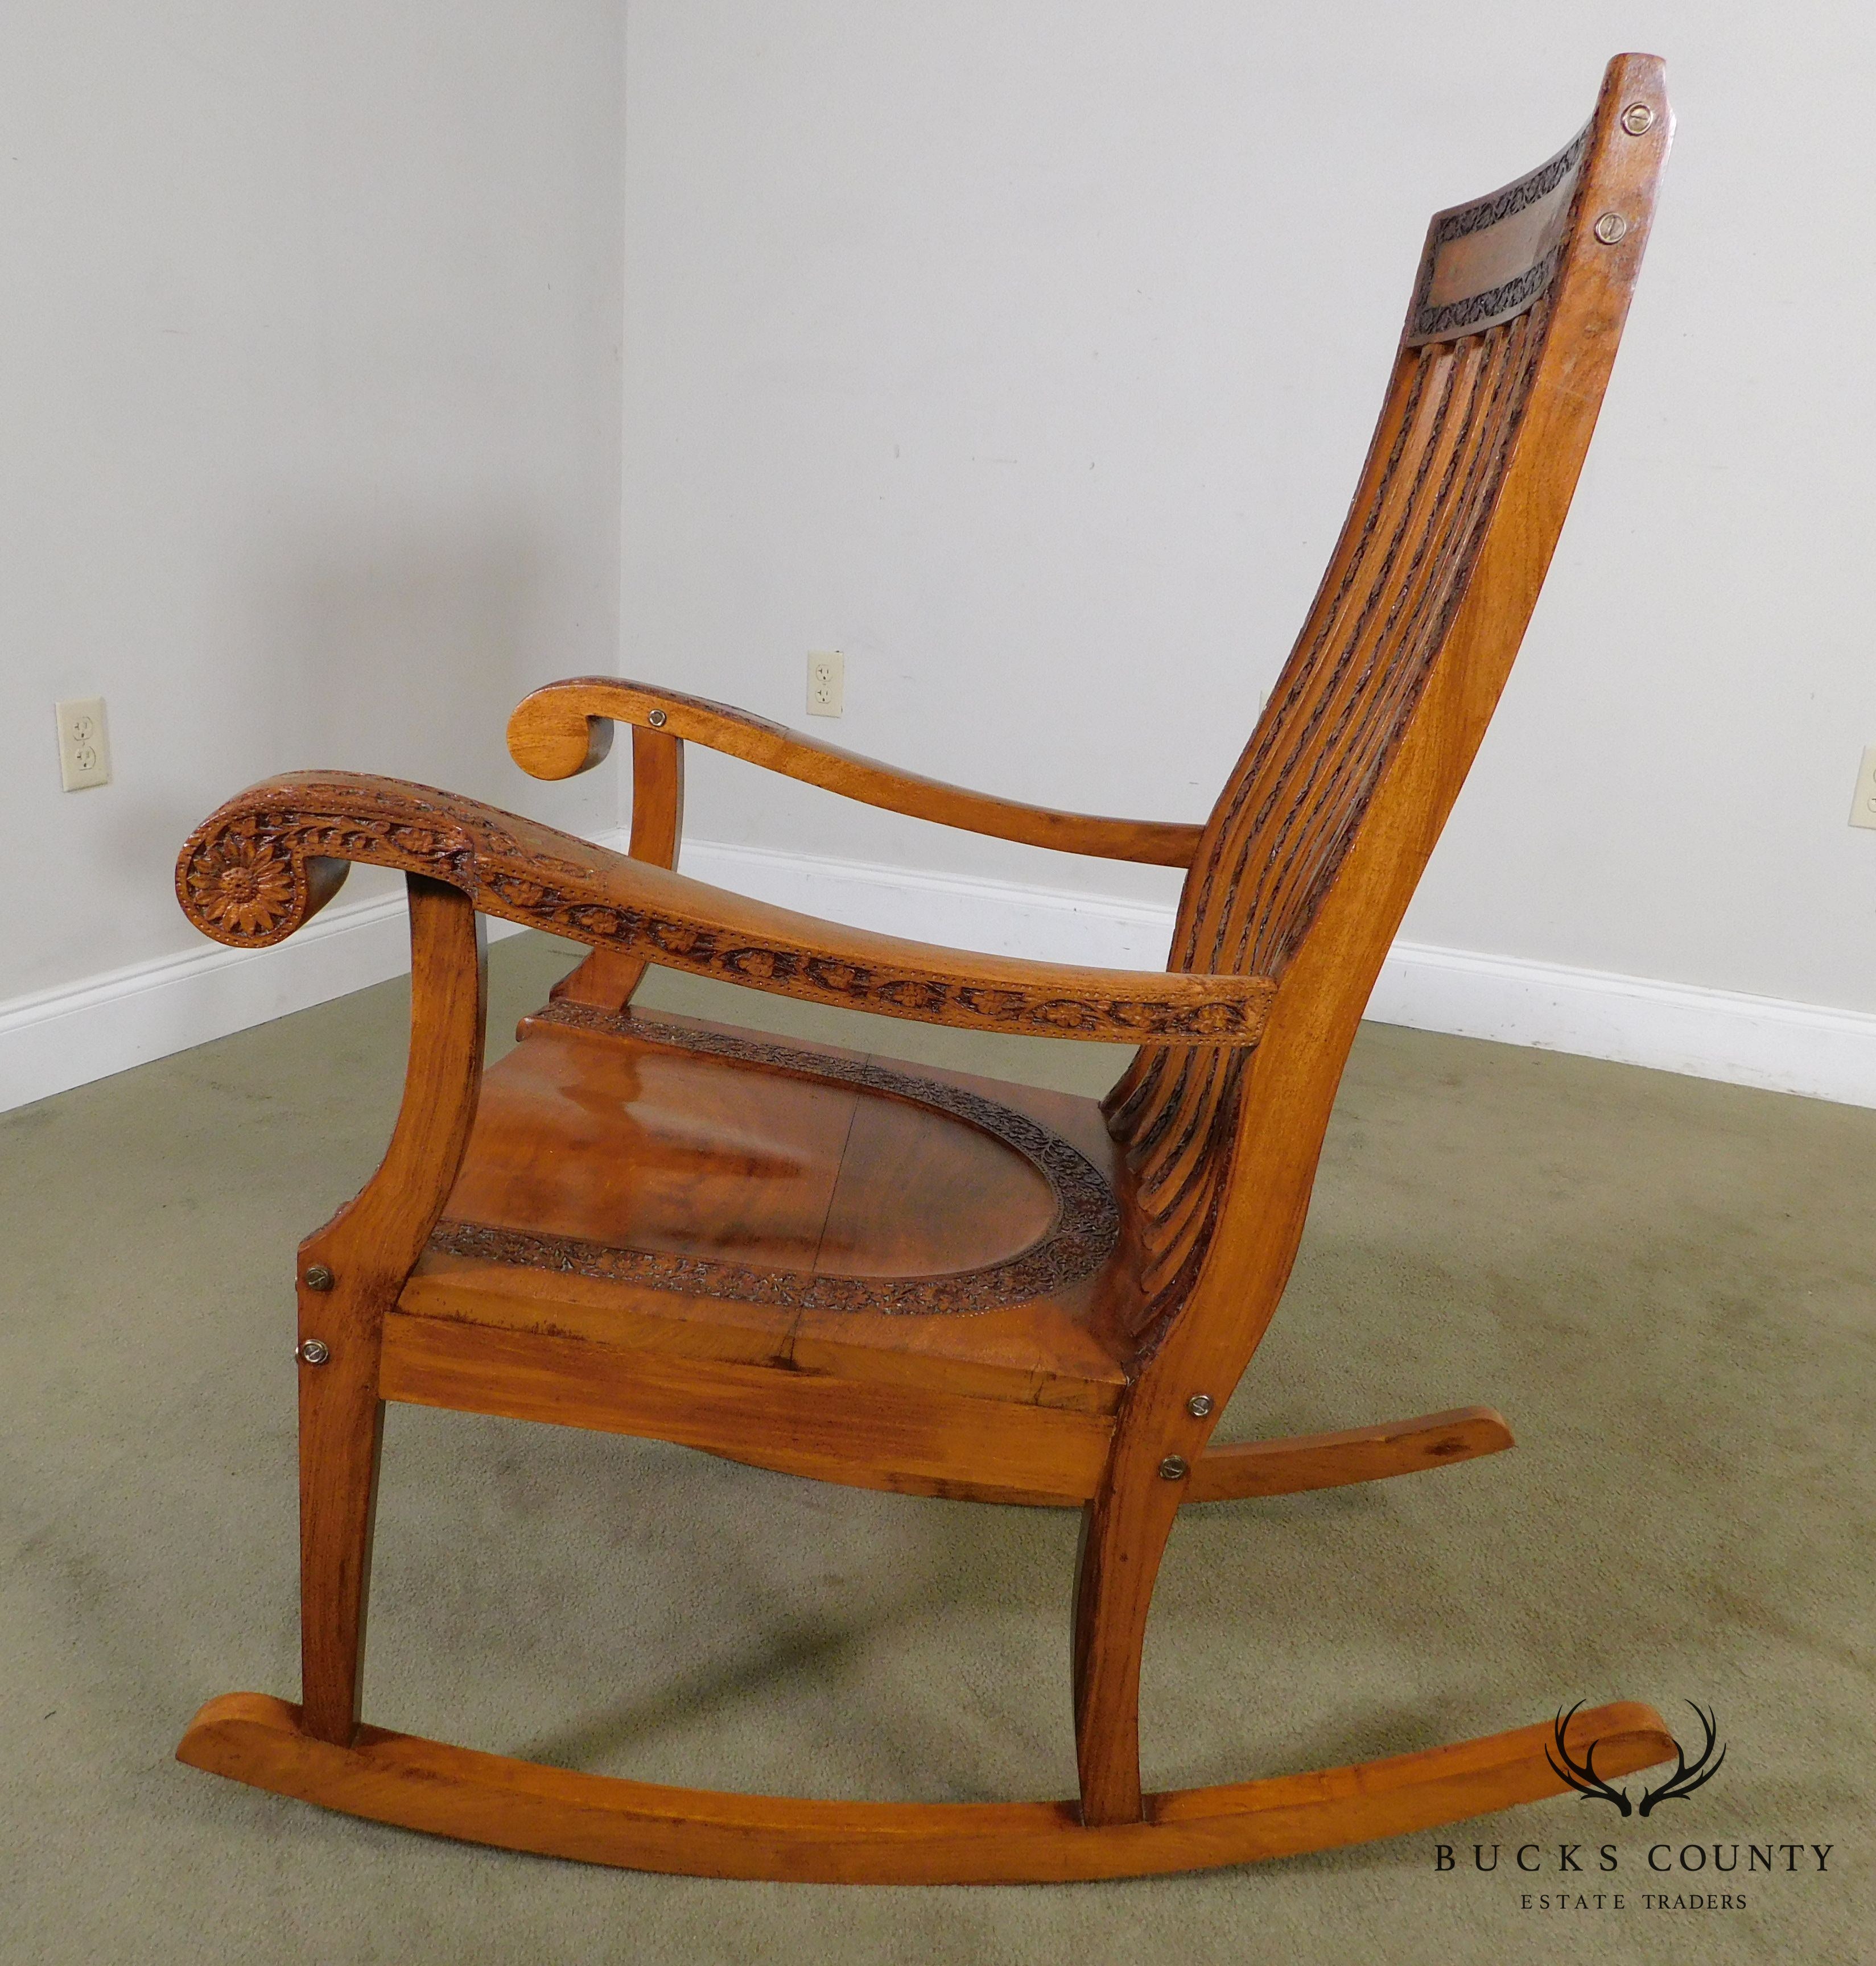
1510,296
249,875
1082,1237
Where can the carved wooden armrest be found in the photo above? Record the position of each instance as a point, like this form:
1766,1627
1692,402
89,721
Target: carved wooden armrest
251,873
567,728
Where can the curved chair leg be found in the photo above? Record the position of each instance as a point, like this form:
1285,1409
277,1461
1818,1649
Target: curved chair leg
350,1274
341,1429
1123,1536
514,1805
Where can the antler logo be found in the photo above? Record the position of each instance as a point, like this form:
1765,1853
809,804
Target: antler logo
1582,1776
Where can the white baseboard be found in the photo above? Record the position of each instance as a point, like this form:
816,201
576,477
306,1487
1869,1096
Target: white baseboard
1768,1042
61,1038
1742,1040
55,1039
1001,917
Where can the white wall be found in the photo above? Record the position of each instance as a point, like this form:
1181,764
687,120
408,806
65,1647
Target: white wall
1024,350
1027,354
309,386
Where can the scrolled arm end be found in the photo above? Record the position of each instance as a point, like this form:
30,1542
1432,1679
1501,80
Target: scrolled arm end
240,881
266,862
550,736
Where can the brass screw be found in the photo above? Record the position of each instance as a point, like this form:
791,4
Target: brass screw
312,1352
318,1277
1175,1468
656,720
1198,1405
1611,227
1638,119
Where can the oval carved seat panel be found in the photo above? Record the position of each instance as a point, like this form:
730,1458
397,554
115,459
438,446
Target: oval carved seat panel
719,1164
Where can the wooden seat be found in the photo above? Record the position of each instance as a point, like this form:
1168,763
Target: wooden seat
841,1266
893,1247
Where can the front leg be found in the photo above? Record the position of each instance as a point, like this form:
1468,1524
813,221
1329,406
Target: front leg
341,1428
351,1272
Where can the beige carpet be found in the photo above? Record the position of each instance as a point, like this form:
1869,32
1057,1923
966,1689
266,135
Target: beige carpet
1665,1285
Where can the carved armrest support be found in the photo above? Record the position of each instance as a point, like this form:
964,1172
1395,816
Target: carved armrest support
567,728
253,872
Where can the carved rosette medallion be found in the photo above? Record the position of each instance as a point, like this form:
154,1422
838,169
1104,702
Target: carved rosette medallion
242,885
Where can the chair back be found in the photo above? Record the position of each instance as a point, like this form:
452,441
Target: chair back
1517,306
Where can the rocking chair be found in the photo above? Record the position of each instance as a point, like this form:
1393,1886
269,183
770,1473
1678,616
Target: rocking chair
937,1284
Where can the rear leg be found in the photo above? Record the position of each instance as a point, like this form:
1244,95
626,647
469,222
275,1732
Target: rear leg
1123,1536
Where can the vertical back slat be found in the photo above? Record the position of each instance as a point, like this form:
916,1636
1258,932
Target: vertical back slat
1287,818
1291,806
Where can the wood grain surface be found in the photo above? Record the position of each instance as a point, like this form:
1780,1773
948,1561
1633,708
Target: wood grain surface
254,871
609,977
1315,849
555,733
828,1263
482,1798
350,1273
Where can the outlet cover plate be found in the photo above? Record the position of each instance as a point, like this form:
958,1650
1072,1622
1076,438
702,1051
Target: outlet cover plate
84,745
1863,806
827,682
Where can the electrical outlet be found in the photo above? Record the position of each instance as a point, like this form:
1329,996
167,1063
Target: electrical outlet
1863,806
84,749
827,682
